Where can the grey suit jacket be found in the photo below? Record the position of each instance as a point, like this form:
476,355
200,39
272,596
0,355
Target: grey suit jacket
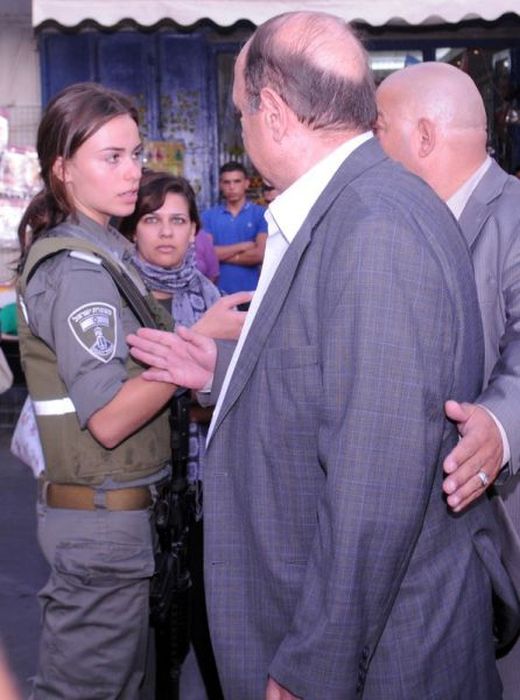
490,222
332,562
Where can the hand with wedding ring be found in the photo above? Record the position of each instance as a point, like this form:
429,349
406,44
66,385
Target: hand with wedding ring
476,460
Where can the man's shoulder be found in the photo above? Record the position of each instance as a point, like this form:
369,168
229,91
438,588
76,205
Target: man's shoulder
212,211
253,206
388,210
212,217
388,187
500,192
254,211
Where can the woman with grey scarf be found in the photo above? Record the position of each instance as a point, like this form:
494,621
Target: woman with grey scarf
163,228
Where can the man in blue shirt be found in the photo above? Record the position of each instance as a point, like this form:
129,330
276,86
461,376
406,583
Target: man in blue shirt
239,231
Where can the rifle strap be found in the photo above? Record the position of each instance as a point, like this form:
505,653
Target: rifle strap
180,437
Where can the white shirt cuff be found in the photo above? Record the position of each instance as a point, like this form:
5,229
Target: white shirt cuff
505,442
206,389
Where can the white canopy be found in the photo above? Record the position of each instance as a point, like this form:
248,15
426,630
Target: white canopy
226,12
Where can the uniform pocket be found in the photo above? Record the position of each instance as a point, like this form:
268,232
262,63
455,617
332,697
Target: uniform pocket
105,564
118,547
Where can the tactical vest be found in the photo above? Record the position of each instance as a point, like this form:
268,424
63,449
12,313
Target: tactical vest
73,455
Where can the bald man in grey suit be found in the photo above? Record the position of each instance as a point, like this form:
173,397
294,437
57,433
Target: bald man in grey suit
334,568
432,119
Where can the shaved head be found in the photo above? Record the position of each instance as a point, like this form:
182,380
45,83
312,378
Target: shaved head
439,91
431,118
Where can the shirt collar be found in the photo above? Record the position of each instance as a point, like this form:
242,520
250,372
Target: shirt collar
290,209
460,198
245,206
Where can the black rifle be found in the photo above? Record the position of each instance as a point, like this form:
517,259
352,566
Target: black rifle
170,585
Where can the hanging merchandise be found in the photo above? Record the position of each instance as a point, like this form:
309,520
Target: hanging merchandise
19,172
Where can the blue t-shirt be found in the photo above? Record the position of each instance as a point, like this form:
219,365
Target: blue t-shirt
227,229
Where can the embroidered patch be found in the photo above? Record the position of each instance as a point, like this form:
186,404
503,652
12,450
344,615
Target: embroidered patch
94,327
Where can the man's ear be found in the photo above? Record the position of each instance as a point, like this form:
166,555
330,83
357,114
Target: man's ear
274,112
427,136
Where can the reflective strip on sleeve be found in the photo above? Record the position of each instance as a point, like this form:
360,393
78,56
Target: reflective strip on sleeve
88,257
54,407
24,310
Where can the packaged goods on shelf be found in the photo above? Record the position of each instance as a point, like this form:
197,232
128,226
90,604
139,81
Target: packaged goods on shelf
11,210
19,172
4,130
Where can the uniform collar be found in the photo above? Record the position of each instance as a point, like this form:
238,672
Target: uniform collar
106,238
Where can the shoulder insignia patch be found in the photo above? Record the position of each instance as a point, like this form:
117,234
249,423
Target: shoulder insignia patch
94,327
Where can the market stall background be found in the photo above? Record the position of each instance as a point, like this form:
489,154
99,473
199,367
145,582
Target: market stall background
175,57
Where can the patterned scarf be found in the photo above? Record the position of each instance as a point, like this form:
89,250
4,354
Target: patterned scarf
192,293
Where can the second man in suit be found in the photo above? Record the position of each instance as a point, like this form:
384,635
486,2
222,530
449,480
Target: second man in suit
432,119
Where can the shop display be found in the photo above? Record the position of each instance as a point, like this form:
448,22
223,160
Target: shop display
19,172
4,130
165,155
11,210
19,182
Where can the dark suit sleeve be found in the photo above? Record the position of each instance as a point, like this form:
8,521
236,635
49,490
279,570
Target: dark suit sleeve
387,347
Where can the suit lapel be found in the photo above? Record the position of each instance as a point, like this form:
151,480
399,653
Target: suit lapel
478,209
264,320
363,158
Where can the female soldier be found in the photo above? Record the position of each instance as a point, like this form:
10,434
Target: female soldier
103,428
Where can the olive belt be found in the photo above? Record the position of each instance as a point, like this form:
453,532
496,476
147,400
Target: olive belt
79,497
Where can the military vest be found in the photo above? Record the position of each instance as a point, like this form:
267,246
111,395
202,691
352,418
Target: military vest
72,454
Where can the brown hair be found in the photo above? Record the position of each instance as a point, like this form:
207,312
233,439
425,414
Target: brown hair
69,119
154,187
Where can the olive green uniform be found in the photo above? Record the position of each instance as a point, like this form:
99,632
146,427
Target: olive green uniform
73,326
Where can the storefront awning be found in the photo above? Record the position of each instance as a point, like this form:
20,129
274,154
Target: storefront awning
225,13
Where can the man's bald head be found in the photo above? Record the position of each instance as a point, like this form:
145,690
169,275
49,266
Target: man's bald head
431,117
318,67
439,91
